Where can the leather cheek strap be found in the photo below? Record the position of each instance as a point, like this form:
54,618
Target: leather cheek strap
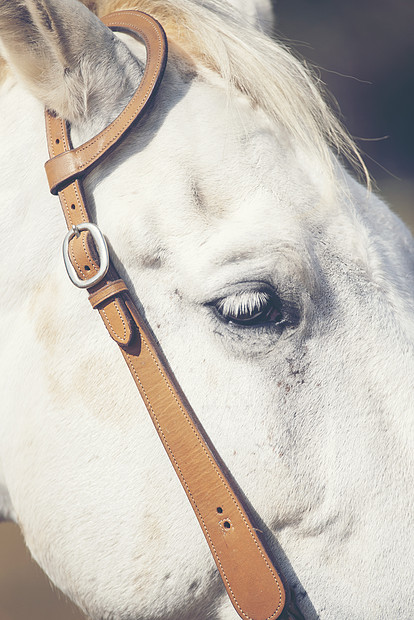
68,165
251,580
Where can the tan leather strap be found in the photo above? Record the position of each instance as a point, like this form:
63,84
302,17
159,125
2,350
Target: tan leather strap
106,292
75,163
251,580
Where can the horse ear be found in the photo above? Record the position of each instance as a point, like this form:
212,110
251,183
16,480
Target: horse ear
67,58
260,13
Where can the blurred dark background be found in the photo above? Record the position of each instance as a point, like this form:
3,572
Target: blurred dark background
363,50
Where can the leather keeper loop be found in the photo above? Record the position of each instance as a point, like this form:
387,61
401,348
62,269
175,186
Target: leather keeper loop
106,292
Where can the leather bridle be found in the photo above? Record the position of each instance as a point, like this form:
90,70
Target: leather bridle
249,575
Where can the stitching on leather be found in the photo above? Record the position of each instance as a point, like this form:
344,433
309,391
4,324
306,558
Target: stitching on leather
108,291
89,258
144,99
124,339
52,142
80,202
67,217
224,483
72,253
60,131
64,134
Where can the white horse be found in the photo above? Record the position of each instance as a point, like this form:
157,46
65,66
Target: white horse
280,290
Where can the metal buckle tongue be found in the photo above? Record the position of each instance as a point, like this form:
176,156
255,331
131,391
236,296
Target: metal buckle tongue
102,250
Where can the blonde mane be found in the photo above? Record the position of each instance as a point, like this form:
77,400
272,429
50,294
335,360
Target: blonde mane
212,33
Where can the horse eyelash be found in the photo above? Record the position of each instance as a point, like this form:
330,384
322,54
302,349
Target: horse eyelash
247,302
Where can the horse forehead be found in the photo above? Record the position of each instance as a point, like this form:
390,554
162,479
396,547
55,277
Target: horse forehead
211,130
216,180
213,152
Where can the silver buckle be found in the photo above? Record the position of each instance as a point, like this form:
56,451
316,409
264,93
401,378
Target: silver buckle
101,247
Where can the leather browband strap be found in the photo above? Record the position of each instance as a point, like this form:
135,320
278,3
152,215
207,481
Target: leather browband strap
251,580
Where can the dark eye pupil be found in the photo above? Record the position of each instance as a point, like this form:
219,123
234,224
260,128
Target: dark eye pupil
265,315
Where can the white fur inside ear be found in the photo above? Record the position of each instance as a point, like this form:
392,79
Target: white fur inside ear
87,78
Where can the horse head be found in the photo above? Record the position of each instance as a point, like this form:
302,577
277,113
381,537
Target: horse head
279,288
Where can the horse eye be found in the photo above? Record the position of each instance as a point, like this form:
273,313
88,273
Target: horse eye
250,308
